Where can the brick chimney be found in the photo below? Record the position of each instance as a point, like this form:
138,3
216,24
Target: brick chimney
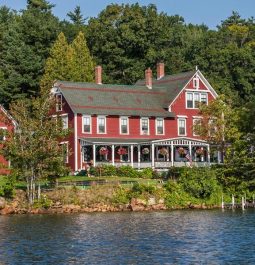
98,74
160,70
148,78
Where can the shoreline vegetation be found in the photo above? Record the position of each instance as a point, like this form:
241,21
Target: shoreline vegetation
179,188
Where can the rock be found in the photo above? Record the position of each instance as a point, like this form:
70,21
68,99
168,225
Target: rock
161,201
137,208
151,201
159,206
2,203
7,210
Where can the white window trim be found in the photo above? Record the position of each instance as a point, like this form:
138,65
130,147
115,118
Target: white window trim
124,117
156,127
195,118
141,133
57,110
67,123
90,121
67,151
193,98
183,119
99,117
196,82
3,128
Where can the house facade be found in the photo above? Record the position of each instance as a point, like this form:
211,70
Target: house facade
6,124
148,124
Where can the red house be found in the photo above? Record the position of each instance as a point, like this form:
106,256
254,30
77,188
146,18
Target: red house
7,123
148,124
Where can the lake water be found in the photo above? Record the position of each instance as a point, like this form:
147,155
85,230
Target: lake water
171,237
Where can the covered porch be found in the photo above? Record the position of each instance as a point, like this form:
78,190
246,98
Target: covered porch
141,153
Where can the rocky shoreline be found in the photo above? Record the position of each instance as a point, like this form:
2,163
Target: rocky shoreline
135,205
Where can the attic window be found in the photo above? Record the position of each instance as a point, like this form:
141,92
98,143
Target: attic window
59,102
196,83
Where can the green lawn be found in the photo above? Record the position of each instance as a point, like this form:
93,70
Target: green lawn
22,184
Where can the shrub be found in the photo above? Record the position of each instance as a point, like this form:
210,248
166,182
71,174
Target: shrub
109,170
121,196
146,173
7,190
43,202
139,188
199,182
127,171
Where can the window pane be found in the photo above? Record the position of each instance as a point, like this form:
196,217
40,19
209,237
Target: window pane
203,98
189,100
145,126
196,100
86,124
160,129
182,129
101,125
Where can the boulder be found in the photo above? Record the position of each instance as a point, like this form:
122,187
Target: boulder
151,201
7,210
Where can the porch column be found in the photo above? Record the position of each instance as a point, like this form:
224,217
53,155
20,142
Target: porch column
219,157
94,154
113,149
208,155
139,156
172,154
152,156
190,153
132,155
167,156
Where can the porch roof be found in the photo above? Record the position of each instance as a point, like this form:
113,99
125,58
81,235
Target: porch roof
116,141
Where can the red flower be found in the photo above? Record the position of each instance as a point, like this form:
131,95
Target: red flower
122,151
103,151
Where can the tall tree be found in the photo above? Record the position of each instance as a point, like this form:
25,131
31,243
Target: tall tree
76,16
82,65
57,65
33,148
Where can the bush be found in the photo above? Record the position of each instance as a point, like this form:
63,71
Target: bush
142,188
146,173
128,172
44,202
108,170
7,191
199,182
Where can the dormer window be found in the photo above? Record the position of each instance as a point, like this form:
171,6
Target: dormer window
59,102
196,83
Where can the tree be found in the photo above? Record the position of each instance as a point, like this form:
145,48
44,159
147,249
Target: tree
33,148
218,124
76,16
57,65
82,65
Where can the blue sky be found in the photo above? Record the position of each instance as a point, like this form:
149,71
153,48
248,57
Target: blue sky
209,12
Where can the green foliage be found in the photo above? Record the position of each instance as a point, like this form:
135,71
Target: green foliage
7,190
43,202
127,171
199,182
121,196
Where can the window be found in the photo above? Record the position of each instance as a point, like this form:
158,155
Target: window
203,98
58,102
101,124
3,133
189,99
64,121
86,124
193,99
181,127
144,126
65,152
197,123
196,100
159,126
123,125
196,83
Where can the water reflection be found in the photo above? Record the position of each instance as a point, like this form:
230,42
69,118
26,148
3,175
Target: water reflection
182,237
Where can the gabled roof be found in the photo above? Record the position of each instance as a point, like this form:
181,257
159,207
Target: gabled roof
103,99
170,84
135,100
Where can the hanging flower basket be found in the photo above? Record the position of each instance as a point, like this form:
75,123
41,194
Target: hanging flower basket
181,151
145,151
103,151
163,151
200,151
122,151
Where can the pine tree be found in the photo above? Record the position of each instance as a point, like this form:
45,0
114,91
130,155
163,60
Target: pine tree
57,65
82,65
